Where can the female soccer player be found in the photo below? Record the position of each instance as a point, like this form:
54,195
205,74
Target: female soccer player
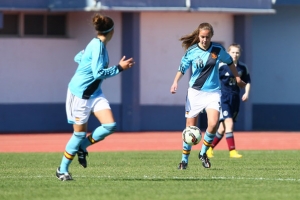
204,92
230,100
84,95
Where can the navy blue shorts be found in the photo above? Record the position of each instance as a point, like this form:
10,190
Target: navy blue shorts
230,104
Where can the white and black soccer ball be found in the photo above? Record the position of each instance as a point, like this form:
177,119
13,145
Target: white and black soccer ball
191,135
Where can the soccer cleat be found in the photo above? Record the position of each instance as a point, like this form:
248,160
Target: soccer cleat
82,157
210,152
234,154
63,176
205,161
182,165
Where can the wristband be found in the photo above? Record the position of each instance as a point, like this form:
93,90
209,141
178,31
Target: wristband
120,68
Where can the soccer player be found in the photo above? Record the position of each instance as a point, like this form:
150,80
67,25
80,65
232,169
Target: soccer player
230,100
203,56
84,95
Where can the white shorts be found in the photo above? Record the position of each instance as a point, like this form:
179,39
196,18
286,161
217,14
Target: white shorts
197,101
79,110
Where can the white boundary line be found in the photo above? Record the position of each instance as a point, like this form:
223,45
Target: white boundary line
163,178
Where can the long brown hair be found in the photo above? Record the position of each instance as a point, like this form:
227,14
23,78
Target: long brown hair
193,38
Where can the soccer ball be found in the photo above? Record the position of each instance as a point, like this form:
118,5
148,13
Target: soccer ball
191,135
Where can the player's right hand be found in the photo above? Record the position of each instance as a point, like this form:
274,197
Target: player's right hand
173,88
126,64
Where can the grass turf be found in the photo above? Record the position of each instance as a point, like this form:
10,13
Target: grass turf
259,175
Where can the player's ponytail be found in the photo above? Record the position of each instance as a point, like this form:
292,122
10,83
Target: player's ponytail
102,24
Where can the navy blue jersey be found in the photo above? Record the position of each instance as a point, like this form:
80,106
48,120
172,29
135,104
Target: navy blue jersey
204,64
228,81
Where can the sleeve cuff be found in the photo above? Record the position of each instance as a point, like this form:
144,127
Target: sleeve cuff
120,68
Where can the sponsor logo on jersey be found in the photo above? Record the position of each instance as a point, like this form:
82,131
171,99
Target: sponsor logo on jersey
199,63
214,55
227,74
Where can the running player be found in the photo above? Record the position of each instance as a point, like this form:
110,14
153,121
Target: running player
230,100
84,95
203,56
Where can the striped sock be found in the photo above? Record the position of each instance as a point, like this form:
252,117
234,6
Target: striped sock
186,150
230,141
216,140
98,134
71,149
207,140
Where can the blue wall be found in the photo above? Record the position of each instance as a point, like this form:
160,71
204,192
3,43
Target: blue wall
276,100
33,118
38,118
52,118
276,117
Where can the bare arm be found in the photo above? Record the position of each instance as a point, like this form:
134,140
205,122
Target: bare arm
175,82
235,73
245,96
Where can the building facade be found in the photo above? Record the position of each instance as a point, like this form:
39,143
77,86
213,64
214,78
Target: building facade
38,41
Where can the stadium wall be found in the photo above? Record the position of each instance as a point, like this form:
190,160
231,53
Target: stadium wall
35,71
275,60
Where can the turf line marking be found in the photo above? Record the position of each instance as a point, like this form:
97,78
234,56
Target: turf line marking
162,178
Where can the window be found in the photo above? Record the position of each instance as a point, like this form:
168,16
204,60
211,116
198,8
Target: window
56,25
34,25
10,25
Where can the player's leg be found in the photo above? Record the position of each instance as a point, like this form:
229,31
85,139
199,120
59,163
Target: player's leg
104,114
193,106
213,113
218,137
229,123
212,125
71,149
77,114
108,126
186,149
225,112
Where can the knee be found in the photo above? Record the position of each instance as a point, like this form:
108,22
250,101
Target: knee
111,127
221,129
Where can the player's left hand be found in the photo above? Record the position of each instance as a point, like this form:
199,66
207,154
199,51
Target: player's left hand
244,97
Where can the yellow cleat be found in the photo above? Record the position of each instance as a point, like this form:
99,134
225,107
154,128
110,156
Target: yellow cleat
234,154
210,152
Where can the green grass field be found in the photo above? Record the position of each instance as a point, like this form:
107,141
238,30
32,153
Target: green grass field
259,175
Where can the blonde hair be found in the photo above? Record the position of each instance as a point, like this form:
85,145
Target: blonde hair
234,45
193,38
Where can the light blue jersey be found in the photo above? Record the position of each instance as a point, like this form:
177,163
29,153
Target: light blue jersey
92,70
205,66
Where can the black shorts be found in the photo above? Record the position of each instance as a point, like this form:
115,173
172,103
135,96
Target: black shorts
230,104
